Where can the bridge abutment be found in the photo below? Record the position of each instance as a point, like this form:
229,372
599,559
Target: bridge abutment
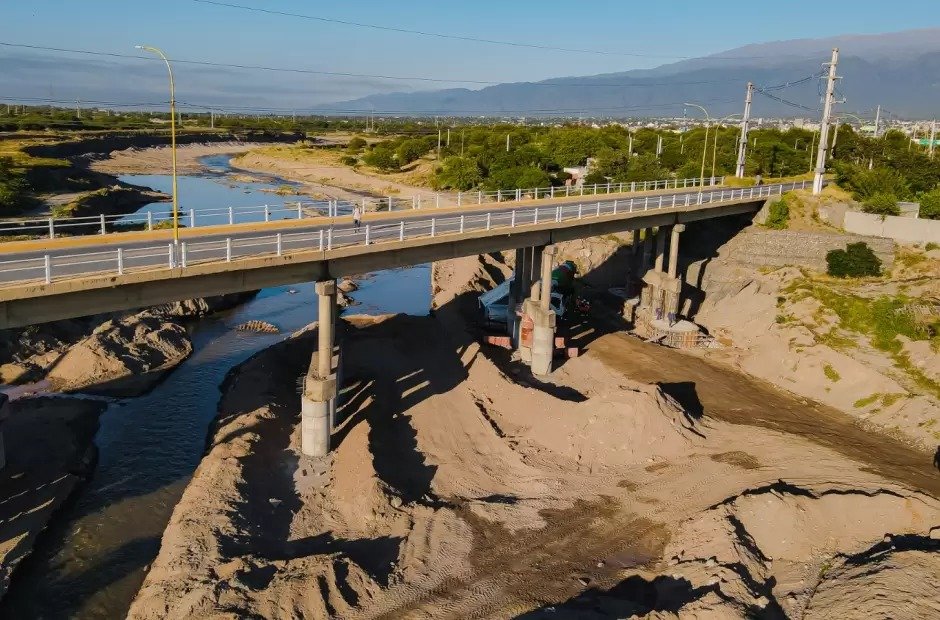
318,402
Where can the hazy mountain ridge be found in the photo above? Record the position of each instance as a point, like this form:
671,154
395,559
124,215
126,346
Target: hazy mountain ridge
900,71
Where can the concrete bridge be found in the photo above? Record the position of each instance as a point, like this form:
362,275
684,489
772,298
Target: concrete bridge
45,280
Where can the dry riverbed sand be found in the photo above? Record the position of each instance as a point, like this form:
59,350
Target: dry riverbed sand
159,160
459,488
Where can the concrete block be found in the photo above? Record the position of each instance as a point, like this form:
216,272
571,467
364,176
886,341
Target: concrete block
326,287
320,390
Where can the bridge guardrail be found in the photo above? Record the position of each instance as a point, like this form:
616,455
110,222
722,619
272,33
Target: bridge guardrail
214,216
50,268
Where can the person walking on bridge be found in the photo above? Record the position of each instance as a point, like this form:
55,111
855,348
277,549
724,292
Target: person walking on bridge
357,217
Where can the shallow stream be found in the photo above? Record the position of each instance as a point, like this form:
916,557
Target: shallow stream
92,560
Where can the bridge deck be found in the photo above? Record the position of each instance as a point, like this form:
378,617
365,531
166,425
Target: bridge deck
71,277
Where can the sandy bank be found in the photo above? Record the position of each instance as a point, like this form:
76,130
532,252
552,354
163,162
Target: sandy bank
49,449
325,178
458,490
159,160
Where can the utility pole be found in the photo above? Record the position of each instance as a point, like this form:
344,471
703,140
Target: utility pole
507,142
878,122
630,147
659,146
438,144
448,137
824,125
211,119
933,137
742,142
78,109
461,142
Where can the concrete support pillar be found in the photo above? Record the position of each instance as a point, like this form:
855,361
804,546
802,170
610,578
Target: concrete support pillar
647,249
635,247
4,412
515,294
660,248
318,399
674,249
543,318
673,294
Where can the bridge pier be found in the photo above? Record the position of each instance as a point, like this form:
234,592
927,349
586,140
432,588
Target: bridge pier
4,412
318,402
673,295
543,318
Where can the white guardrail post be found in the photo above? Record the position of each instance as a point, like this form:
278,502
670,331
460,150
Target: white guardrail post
183,254
51,228
279,244
300,211
47,260
488,218
228,248
512,219
401,231
432,226
367,234
170,261
120,261
149,220
231,215
192,218
103,229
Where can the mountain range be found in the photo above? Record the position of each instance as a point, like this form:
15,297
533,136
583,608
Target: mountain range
899,71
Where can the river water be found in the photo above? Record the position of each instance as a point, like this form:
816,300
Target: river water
92,560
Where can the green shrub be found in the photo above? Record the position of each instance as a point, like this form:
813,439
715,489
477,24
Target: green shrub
778,215
348,160
382,158
356,144
931,246
855,261
930,205
460,173
881,204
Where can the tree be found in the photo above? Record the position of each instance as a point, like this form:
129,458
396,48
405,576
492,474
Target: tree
881,204
522,177
356,144
383,158
855,261
864,183
411,150
460,173
930,205
13,187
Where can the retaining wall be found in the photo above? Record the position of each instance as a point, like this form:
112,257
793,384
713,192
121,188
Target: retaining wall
904,229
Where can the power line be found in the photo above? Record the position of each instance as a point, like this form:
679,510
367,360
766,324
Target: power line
206,63
441,35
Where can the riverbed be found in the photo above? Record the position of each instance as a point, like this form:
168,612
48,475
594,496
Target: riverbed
94,556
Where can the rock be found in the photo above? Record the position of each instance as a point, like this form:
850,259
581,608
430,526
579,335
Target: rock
201,306
347,286
711,563
935,533
584,581
262,327
395,501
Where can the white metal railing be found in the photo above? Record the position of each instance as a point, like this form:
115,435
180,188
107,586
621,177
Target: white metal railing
150,219
49,267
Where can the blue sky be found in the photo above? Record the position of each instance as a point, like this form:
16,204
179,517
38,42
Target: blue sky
189,29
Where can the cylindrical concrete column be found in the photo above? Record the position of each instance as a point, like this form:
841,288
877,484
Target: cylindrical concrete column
543,345
548,263
314,427
4,412
660,249
635,247
326,293
674,249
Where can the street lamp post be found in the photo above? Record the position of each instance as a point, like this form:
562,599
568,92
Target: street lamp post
704,148
176,218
